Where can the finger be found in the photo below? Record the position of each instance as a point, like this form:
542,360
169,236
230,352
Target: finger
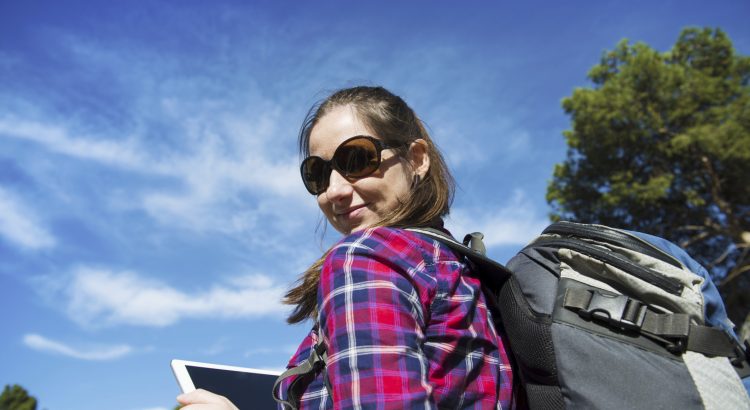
201,407
199,396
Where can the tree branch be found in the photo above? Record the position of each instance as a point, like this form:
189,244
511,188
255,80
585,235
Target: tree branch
733,274
691,228
742,267
720,259
697,238
720,202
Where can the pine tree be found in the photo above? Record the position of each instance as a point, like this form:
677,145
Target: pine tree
16,398
661,144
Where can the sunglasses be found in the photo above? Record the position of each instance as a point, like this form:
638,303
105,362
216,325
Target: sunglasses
356,157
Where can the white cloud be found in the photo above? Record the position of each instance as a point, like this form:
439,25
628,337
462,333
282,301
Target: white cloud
58,139
220,170
101,297
514,223
215,184
20,226
97,353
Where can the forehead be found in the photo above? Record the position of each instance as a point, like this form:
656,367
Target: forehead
338,125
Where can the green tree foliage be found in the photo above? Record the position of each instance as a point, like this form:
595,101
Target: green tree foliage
16,398
661,144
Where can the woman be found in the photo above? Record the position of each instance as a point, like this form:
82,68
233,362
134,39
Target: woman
403,320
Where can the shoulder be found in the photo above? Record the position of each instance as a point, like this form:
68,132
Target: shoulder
386,252
391,243
394,255
375,267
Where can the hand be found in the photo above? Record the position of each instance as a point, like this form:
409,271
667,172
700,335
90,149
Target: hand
204,400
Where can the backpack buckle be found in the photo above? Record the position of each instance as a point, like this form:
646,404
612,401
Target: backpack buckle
677,345
618,311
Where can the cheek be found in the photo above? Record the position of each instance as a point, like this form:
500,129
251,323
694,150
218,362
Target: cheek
327,208
399,193
323,203
394,189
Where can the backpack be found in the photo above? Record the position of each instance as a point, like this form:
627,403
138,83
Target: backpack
599,318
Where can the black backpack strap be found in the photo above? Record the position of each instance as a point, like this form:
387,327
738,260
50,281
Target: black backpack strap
315,363
493,273
494,277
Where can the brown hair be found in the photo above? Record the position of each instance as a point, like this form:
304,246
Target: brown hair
393,121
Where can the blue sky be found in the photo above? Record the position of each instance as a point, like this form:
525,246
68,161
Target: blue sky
150,203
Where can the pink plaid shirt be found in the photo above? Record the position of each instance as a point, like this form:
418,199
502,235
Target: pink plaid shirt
406,326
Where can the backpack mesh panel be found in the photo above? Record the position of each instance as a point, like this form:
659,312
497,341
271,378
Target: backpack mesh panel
529,334
544,397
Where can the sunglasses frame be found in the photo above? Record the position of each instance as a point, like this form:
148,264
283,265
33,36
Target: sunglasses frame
330,165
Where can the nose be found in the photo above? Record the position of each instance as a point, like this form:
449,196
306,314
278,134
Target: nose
339,188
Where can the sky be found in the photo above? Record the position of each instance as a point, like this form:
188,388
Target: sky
150,200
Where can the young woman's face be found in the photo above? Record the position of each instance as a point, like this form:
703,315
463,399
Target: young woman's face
354,204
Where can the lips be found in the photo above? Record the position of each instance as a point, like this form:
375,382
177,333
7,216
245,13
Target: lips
348,211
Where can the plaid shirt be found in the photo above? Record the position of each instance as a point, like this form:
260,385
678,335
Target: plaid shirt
406,326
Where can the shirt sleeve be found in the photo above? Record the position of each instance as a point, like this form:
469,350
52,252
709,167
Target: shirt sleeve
373,321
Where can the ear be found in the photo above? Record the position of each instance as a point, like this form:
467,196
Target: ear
419,157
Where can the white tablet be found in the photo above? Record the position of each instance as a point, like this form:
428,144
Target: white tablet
245,387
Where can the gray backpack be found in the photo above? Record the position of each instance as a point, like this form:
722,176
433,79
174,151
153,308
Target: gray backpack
599,318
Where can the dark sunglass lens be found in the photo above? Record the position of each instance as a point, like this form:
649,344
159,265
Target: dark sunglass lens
357,158
314,175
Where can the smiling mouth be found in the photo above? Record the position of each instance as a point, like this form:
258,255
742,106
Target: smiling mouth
349,210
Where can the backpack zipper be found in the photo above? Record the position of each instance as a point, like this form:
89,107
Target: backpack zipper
612,236
645,274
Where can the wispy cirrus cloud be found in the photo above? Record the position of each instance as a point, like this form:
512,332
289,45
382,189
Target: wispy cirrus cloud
197,154
220,181
101,297
95,353
19,225
58,139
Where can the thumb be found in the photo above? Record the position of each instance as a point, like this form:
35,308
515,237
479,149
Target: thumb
197,396
201,396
